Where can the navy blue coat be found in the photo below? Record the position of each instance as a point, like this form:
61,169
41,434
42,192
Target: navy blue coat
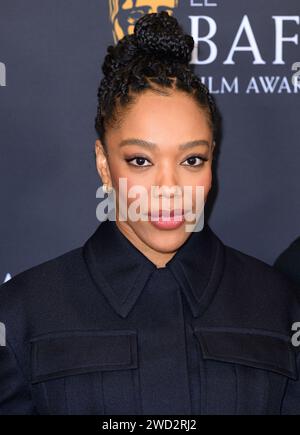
102,330
289,261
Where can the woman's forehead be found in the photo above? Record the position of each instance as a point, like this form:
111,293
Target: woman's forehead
151,111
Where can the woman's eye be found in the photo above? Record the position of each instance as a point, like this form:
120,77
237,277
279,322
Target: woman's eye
139,161
194,161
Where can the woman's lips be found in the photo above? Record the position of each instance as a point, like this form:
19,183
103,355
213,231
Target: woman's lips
166,219
166,214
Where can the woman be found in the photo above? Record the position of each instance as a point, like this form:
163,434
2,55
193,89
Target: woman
153,315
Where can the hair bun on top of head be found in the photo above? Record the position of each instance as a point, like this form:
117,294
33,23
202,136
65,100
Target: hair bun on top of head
161,35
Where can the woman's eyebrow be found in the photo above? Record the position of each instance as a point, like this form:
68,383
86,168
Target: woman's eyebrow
147,144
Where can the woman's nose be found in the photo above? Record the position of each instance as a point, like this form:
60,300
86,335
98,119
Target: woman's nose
167,189
170,191
167,185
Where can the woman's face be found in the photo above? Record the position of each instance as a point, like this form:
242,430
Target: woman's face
163,141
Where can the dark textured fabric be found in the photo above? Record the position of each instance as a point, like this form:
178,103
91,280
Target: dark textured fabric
102,330
289,262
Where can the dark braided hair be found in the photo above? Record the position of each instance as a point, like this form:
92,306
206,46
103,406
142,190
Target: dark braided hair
156,56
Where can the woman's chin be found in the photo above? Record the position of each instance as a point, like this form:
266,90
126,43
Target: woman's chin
165,240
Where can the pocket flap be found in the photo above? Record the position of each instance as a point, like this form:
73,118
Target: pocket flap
68,353
254,348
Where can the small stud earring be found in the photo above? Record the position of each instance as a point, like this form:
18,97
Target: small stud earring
105,188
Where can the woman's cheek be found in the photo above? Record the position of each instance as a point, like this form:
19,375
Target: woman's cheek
136,190
205,182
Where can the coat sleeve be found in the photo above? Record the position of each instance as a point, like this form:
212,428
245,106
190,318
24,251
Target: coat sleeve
15,393
291,401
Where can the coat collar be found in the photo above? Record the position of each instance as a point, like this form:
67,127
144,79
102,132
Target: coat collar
121,271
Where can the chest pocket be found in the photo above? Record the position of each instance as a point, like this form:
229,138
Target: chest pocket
244,371
86,372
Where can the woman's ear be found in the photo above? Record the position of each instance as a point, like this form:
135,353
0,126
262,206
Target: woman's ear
102,163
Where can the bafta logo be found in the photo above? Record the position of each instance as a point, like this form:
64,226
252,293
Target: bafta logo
125,13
